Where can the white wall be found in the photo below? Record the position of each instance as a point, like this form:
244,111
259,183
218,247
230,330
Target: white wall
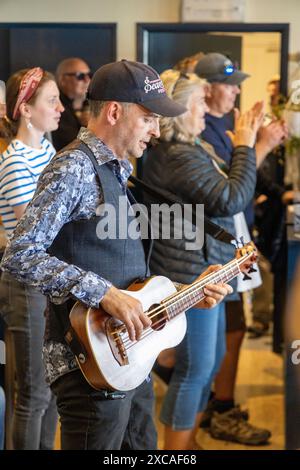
127,12
277,11
124,12
261,59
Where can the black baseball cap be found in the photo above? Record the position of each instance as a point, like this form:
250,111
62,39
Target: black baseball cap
215,67
133,82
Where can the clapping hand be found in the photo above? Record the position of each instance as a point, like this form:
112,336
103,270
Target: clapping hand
247,125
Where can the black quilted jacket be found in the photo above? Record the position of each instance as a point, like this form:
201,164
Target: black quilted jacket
188,172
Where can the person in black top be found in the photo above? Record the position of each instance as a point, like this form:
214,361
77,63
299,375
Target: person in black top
225,80
73,76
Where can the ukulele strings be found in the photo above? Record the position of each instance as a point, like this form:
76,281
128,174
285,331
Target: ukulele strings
192,289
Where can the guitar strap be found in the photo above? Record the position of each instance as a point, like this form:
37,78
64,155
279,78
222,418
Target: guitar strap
210,228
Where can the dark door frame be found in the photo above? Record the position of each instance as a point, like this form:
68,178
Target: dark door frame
110,26
144,29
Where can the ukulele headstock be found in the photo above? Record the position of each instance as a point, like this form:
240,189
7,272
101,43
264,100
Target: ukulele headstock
249,253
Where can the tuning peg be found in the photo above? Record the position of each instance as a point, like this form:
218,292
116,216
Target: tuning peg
242,241
235,243
246,278
252,270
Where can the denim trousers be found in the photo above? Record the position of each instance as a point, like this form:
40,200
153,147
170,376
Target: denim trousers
198,359
92,420
35,412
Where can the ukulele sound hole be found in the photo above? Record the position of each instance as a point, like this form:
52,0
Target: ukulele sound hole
158,317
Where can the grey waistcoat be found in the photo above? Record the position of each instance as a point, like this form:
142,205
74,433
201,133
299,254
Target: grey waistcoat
121,261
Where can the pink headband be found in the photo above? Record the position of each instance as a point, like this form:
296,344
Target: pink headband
28,86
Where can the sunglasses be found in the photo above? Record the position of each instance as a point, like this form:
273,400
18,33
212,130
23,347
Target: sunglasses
80,76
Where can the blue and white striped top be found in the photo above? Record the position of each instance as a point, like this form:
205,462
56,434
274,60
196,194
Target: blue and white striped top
20,168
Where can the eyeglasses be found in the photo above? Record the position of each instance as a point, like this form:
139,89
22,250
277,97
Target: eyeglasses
80,76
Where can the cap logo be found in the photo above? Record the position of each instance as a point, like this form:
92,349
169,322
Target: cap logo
227,62
228,67
151,85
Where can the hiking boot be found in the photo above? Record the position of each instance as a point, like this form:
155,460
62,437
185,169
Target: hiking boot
229,426
211,409
257,330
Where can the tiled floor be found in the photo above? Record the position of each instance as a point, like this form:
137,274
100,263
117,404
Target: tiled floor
259,388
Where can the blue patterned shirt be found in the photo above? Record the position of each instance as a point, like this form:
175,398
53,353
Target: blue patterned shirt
68,190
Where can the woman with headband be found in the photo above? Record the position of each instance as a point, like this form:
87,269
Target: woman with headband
33,108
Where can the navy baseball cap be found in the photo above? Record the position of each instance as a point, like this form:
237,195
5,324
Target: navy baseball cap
133,82
215,67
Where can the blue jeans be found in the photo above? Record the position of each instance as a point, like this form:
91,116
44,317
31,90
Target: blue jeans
35,413
2,413
198,359
90,420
